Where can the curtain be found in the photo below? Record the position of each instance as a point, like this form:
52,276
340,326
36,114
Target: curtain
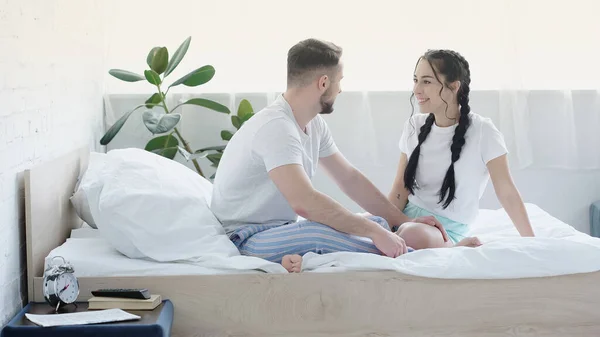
542,129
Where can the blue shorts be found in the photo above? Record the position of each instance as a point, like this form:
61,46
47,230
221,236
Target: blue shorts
456,230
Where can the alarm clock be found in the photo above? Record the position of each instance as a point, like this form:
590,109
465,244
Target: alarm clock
61,287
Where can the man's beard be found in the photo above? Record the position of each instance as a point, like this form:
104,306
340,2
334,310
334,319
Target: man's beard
326,107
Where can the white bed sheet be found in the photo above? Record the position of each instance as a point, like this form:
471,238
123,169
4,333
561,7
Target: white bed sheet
558,249
91,255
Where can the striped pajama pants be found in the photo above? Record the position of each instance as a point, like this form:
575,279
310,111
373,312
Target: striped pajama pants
272,242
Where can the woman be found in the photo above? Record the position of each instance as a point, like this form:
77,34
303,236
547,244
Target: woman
448,155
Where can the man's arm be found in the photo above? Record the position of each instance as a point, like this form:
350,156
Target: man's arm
294,185
352,182
292,182
356,186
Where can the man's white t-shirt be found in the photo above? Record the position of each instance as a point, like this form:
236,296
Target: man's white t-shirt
483,142
243,193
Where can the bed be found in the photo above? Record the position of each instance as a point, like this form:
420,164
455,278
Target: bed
338,295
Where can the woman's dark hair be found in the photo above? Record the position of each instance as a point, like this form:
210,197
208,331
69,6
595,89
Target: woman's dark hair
455,68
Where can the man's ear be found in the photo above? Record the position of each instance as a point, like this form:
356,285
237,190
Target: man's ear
323,82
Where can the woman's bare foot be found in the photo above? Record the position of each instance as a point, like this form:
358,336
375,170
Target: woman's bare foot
469,242
292,263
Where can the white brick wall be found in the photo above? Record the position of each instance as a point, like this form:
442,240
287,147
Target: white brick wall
52,73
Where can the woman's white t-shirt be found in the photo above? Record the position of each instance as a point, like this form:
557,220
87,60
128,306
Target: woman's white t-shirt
483,142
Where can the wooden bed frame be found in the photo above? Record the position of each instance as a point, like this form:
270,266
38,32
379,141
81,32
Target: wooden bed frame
319,304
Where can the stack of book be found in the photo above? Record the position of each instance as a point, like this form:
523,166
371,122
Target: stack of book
123,300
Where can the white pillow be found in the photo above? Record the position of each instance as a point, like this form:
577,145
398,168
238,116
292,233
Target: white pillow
148,206
79,201
84,231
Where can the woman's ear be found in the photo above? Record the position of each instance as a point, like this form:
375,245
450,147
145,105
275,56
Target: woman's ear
455,86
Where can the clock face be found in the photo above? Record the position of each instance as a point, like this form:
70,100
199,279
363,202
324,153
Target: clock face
67,288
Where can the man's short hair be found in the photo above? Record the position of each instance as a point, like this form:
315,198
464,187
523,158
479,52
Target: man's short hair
310,55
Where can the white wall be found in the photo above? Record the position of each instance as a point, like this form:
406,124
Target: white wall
507,42
51,83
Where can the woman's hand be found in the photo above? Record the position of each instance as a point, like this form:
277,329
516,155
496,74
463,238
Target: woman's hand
432,221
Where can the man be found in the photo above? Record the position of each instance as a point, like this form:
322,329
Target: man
264,177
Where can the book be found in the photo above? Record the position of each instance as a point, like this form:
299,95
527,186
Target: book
95,303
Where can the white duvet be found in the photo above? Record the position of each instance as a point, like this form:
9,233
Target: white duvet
559,249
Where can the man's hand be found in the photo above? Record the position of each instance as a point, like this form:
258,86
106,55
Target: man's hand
389,244
428,220
432,221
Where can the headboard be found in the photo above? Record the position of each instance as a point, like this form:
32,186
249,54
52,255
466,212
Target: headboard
49,215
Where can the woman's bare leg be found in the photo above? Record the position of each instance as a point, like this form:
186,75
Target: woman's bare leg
421,236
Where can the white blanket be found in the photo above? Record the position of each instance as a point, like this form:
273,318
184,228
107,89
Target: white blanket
558,249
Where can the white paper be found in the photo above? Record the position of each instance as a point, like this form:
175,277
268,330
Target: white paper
84,317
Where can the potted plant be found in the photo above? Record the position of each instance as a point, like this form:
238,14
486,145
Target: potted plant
162,121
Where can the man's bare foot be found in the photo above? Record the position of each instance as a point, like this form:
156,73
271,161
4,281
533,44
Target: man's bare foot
469,242
292,263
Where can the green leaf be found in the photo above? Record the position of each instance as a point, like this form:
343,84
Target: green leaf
214,158
161,142
154,99
157,59
196,77
168,152
115,128
236,121
247,117
191,156
151,56
152,77
200,153
125,75
178,56
244,108
213,175
165,146
208,104
160,122
213,148
226,135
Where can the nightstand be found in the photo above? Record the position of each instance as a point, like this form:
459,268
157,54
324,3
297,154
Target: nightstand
154,323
